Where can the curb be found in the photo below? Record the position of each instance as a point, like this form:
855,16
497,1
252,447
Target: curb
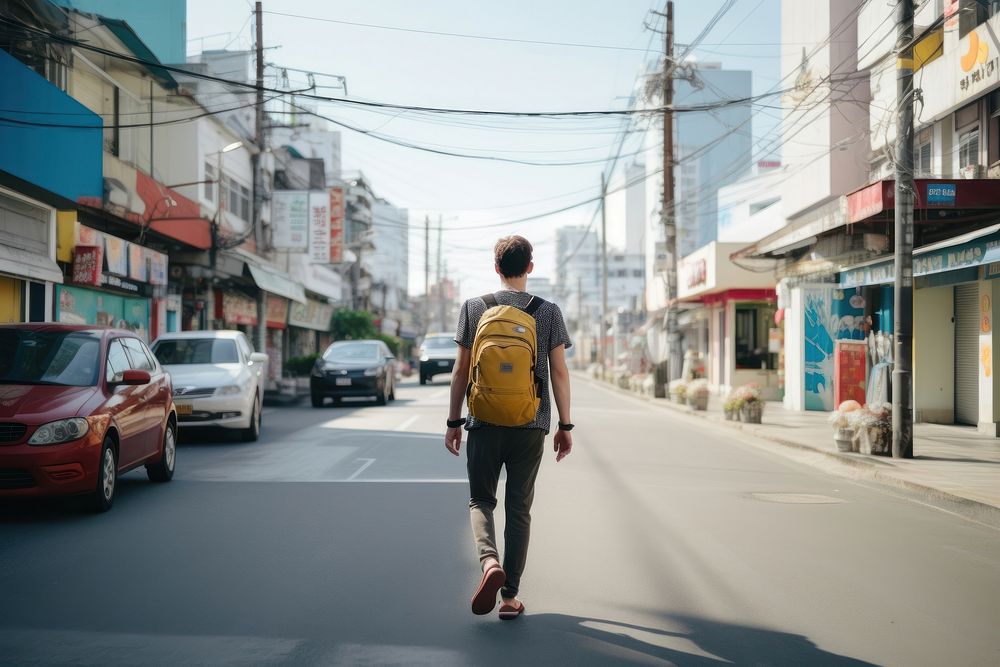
871,468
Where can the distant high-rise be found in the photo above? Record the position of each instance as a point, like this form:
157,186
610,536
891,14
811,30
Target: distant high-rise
712,149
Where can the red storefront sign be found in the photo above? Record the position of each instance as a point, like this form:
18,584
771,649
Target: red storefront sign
336,225
869,200
88,264
850,371
277,312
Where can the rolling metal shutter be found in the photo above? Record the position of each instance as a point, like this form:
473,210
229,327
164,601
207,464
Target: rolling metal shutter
967,354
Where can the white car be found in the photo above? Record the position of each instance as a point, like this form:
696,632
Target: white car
218,379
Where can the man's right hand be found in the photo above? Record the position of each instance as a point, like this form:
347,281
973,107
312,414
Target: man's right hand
562,444
453,439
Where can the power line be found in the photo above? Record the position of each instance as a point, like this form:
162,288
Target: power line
440,33
375,104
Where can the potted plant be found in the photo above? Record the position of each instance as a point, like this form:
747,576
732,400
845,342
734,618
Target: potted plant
751,403
873,429
697,394
678,391
842,421
731,407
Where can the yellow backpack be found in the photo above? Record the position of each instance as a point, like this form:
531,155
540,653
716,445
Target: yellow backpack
503,389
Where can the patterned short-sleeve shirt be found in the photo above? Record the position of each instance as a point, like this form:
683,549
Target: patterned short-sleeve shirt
549,327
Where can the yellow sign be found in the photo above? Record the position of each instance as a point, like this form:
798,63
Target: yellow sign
978,53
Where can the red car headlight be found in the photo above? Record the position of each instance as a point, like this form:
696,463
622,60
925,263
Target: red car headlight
60,431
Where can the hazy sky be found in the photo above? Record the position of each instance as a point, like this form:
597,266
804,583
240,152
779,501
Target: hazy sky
444,71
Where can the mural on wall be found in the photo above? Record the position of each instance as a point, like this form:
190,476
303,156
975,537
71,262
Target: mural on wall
830,315
75,305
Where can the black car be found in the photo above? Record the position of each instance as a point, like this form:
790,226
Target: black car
354,368
438,354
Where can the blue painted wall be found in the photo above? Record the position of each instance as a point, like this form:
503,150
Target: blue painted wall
64,160
161,24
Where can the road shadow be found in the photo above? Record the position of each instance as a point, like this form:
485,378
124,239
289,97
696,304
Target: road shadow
953,459
70,509
562,639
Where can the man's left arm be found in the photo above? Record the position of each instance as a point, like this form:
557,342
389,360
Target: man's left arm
459,382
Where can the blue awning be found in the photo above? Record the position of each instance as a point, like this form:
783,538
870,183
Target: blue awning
976,248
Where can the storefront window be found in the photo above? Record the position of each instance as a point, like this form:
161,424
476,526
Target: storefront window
753,322
968,148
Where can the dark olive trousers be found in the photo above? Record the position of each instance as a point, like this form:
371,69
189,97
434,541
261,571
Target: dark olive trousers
519,450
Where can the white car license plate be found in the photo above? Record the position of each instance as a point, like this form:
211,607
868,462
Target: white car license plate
442,363
184,408
343,382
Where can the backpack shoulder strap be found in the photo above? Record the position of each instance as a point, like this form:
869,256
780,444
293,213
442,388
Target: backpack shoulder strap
489,300
533,305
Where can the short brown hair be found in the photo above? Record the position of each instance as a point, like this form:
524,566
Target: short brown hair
512,254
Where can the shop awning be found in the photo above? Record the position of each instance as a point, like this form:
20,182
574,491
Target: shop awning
17,262
976,248
275,282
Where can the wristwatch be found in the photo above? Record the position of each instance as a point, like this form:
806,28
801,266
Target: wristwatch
455,423
566,427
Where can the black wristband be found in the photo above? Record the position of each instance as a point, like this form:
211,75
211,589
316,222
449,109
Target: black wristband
455,423
566,427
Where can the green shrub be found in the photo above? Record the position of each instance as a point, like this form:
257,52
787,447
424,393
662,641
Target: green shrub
300,366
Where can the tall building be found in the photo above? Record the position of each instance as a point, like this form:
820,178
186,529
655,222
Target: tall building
712,148
390,262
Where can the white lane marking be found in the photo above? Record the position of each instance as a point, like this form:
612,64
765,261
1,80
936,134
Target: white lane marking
405,481
407,424
439,394
365,466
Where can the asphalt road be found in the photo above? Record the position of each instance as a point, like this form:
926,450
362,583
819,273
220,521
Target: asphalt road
342,538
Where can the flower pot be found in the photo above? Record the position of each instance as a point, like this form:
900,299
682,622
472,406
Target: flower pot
875,441
844,438
700,403
730,414
752,412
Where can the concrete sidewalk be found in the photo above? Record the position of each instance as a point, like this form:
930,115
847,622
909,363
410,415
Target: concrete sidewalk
955,464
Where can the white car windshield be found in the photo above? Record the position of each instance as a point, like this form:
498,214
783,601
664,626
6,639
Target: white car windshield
351,352
196,351
440,343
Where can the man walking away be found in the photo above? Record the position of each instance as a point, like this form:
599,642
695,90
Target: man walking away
504,364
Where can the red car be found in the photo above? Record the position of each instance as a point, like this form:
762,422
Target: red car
80,405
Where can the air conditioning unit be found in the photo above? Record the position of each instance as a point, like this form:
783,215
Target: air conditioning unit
971,171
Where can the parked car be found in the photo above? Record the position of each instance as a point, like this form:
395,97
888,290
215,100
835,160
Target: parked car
79,406
218,379
438,353
354,368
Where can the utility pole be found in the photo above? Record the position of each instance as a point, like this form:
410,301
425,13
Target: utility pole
579,316
902,291
258,172
667,207
427,272
441,300
604,277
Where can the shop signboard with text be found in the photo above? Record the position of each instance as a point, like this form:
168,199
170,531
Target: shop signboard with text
88,262
277,312
233,308
290,219
319,227
310,315
336,225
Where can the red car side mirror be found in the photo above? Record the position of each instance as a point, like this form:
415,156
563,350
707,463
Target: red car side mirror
133,376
